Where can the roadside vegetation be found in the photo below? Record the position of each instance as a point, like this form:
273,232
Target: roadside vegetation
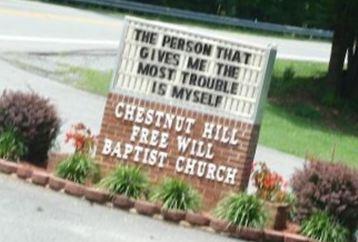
91,80
79,167
177,195
130,181
304,117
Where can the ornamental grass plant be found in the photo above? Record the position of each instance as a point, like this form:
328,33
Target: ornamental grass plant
175,194
242,210
79,167
129,181
322,227
12,145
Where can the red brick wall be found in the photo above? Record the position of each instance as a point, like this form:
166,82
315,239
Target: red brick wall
239,156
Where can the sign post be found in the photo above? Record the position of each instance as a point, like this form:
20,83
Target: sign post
183,104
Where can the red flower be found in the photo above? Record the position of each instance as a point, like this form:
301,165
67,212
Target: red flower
81,138
269,185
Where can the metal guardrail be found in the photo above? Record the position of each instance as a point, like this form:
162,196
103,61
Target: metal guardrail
210,18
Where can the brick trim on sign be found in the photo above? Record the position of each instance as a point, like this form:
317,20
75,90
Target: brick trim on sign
237,156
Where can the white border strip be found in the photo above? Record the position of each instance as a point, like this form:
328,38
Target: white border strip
36,39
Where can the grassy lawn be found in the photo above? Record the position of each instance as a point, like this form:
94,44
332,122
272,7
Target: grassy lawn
302,116
91,80
296,135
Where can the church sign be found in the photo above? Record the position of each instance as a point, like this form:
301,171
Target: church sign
187,105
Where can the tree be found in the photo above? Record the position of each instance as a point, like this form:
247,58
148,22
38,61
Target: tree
344,19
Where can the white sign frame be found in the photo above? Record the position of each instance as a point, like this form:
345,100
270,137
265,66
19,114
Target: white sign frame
262,86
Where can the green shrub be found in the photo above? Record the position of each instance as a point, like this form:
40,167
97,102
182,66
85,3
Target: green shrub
11,145
127,180
322,227
242,210
34,118
178,195
77,168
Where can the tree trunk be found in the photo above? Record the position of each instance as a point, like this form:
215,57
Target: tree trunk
336,62
351,79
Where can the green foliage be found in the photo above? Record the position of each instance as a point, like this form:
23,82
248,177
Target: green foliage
289,73
306,111
329,98
178,195
291,200
127,180
77,168
301,13
296,77
242,210
322,227
95,81
12,146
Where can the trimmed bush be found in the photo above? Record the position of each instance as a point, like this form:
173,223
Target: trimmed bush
322,227
11,145
34,118
177,195
242,209
77,168
322,186
127,180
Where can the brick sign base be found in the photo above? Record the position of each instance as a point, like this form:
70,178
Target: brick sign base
239,156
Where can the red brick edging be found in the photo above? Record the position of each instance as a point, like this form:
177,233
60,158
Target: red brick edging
92,194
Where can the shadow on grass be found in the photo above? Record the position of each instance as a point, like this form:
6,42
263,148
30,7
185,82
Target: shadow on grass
285,131
304,117
300,90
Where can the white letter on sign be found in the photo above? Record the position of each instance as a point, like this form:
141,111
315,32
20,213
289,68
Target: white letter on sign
208,130
183,143
230,177
107,146
135,132
179,164
118,112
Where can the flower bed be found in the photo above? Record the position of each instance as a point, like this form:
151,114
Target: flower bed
46,179
127,187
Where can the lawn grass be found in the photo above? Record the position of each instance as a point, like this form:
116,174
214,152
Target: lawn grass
303,116
299,136
300,117
90,80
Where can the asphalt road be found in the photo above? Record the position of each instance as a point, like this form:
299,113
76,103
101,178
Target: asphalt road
31,213
36,26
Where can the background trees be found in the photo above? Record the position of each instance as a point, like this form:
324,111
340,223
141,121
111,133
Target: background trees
343,19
